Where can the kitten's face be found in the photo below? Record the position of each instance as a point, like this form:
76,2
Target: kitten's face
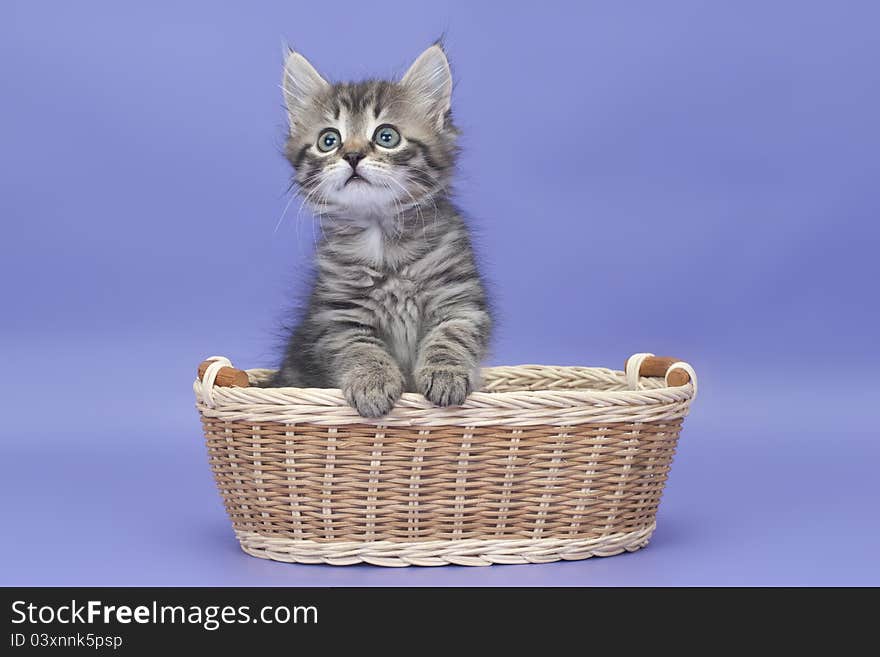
370,149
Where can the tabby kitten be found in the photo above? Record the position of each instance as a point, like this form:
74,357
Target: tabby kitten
397,303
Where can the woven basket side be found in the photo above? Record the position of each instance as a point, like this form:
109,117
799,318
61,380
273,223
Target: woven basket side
400,484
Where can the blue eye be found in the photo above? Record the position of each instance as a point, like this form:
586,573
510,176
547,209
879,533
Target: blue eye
328,140
386,136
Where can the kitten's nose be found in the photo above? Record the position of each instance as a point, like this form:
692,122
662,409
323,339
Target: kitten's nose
353,158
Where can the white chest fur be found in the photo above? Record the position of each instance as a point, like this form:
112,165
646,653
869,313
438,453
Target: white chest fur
370,244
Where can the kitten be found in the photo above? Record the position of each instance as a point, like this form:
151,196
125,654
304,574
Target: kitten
398,303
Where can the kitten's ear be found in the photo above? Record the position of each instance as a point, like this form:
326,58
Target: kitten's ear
431,78
300,82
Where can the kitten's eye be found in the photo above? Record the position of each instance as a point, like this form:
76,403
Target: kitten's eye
387,136
328,140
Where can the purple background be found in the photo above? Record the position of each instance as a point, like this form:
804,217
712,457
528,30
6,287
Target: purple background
689,178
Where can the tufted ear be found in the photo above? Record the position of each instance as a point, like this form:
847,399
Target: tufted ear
431,78
300,82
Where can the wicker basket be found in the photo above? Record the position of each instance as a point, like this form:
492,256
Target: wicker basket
543,464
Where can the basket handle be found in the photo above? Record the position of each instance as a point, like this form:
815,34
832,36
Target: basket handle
226,376
659,366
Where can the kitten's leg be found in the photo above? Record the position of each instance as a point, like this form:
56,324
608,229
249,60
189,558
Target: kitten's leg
368,375
344,355
448,364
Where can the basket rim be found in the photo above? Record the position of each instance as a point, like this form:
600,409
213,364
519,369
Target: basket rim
653,391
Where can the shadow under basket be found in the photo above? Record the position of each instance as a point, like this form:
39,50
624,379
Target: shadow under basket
542,464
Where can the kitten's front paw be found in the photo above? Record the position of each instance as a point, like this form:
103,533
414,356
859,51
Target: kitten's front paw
372,390
444,387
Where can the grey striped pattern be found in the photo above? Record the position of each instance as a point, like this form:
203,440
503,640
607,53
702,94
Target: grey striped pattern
398,303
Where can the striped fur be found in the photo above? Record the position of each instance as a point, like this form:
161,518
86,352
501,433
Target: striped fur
397,303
